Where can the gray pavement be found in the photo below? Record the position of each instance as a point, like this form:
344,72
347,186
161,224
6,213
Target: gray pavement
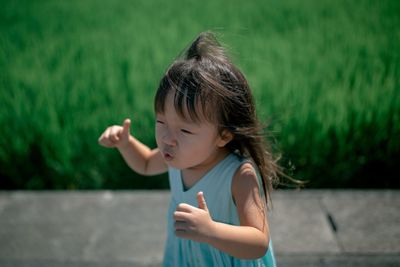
127,228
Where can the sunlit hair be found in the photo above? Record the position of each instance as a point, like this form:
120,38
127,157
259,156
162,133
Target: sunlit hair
207,86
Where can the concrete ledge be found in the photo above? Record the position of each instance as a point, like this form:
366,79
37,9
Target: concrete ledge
121,228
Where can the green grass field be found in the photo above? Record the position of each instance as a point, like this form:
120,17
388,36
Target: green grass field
325,75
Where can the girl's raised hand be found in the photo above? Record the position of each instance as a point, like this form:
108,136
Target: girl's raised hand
116,136
194,223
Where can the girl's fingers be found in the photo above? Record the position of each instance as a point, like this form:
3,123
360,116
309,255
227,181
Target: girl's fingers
180,216
126,126
103,140
114,134
180,226
184,207
107,134
109,137
201,201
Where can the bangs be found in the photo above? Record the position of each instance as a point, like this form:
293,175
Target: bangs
191,101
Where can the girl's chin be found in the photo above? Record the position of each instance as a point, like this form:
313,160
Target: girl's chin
174,164
170,161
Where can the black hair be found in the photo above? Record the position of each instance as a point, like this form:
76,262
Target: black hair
206,85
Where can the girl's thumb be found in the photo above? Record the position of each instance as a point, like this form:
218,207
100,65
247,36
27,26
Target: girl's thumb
126,126
201,201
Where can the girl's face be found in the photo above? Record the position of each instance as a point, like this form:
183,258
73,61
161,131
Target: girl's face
185,144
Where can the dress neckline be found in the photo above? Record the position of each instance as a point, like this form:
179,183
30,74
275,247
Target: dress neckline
204,178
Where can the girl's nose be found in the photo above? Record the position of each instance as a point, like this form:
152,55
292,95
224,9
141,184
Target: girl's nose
169,139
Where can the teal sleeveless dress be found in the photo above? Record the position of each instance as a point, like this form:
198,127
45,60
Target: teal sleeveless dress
216,186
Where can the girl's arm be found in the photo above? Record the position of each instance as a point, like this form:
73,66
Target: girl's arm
249,240
138,156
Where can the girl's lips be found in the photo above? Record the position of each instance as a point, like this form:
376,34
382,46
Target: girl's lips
168,156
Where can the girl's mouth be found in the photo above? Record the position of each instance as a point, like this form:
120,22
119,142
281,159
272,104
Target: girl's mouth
168,156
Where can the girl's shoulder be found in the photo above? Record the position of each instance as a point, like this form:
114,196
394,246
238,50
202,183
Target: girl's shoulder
245,180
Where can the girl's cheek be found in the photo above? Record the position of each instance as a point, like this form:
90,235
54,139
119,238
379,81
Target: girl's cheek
158,136
189,143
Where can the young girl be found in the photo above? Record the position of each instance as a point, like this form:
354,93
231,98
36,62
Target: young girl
220,171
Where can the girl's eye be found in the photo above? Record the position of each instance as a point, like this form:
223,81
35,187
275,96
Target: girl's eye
160,122
186,131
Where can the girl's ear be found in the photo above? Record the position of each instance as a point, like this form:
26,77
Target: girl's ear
225,137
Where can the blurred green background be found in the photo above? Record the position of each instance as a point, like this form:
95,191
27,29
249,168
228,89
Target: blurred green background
325,75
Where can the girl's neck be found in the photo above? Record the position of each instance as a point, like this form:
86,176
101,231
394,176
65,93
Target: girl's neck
191,176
